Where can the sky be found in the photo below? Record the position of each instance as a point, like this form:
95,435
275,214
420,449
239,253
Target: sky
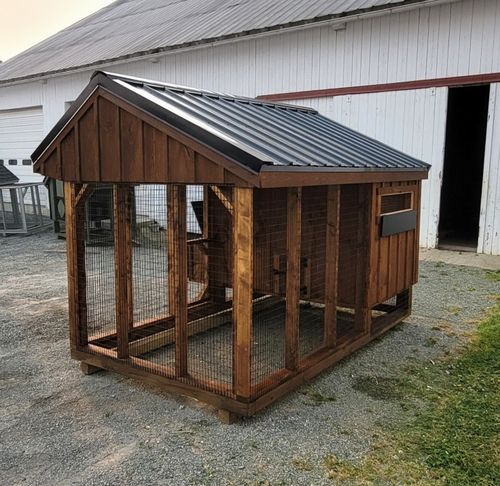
24,23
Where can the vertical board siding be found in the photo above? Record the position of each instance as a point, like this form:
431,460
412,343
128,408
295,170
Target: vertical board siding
394,258
89,146
132,161
489,222
109,138
155,150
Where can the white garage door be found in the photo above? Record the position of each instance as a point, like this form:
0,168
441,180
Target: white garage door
20,133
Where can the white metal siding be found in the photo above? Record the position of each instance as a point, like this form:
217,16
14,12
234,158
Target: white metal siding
411,121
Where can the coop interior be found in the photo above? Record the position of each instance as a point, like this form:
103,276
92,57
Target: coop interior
172,224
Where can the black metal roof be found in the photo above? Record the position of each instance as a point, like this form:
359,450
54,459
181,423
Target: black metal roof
255,133
7,177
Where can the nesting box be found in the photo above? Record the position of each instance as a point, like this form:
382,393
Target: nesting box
249,246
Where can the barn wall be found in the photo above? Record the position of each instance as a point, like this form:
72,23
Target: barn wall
412,121
489,222
455,39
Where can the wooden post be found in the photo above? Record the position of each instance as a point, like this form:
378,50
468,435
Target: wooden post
177,272
363,316
331,265
294,209
242,289
123,267
75,245
215,291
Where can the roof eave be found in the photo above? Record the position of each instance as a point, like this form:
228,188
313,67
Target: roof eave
289,176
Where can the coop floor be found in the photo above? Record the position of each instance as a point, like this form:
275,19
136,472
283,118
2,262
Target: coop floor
210,353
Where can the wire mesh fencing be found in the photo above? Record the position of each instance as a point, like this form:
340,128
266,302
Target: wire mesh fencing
180,283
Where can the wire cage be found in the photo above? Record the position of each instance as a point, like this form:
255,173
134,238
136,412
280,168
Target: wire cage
21,210
231,291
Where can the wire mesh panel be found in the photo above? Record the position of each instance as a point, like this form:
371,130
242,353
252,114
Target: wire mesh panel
268,330
98,267
312,271
181,250
21,210
149,254
210,317
11,217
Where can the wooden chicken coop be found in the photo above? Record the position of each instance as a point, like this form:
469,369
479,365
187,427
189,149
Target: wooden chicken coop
251,244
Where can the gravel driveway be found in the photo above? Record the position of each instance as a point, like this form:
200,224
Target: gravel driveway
60,427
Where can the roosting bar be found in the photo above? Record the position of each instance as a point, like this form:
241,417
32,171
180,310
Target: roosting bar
227,248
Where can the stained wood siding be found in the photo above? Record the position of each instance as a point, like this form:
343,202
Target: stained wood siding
394,258
113,142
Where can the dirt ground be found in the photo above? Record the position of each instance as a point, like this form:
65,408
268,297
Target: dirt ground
60,427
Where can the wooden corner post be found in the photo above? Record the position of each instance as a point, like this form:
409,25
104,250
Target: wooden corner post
363,315
331,265
76,267
177,272
123,266
294,221
242,289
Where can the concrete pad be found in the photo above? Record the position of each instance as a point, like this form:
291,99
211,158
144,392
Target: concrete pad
465,258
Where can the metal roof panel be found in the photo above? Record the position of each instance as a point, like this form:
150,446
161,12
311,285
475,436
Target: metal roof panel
131,28
252,132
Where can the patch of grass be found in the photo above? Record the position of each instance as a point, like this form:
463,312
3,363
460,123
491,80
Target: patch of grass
454,309
451,435
493,275
316,398
430,342
378,387
301,464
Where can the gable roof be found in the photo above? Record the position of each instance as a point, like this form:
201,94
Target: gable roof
133,28
7,177
255,134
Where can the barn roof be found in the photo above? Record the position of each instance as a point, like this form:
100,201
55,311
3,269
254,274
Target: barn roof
256,134
7,177
133,28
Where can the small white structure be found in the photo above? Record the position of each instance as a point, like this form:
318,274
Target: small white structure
21,211
420,75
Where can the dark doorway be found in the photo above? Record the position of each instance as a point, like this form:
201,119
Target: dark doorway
463,167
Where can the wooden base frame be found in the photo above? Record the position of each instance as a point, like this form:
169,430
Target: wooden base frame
94,358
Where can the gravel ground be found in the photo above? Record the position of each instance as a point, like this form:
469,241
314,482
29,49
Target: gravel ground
60,427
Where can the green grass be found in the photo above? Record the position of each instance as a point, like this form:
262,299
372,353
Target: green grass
451,435
493,275
314,398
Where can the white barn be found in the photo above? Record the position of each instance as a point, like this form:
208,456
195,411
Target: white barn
420,75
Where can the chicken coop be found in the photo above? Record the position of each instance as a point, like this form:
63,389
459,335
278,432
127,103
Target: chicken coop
248,247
